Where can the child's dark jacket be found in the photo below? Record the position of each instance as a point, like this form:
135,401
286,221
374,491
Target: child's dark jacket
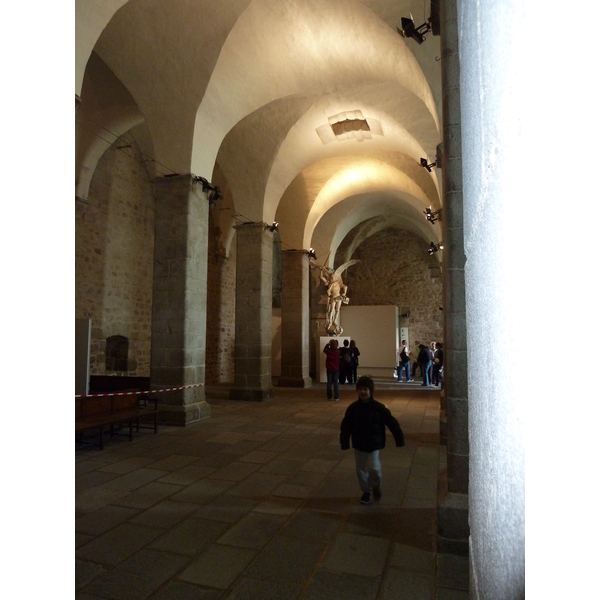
365,422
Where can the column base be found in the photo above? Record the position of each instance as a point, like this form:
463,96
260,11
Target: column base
294,382
255,394
452,572
183,415
452,520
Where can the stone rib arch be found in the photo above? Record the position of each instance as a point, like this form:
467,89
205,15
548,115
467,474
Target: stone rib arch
313,50
389,172
376,211
91,18
229,65
302,146
168,79
107,112
368,176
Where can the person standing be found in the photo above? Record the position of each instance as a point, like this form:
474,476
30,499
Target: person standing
438,364
332,364
425,359
355,355
365,421
416,364
345,363
432,348
403,362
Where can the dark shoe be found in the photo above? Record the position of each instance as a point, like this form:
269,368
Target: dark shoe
365,498
377,493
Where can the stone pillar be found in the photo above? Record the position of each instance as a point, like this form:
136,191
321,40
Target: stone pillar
253,312
295,350
179,299
453,531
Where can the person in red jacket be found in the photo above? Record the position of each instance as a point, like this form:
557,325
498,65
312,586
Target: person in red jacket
365,422
332,364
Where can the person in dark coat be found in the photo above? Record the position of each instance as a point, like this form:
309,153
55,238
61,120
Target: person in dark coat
345,363
416,364
355,355
364,422
438,364
332,365
425,359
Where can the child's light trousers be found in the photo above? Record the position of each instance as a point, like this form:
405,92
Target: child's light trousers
368,469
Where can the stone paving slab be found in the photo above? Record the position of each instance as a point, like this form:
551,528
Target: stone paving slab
253,531
166,514
218,567
287,559
118,544
266,510
399,583
357,554
103,519
190,536
326,585
246,588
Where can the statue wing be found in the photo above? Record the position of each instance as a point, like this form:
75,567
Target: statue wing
342,268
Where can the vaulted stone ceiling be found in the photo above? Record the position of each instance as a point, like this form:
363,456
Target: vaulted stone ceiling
244,93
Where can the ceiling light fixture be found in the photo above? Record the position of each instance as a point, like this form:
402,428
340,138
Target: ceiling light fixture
311,253
433,248
273,227
432,215
215,192
408,29
427,165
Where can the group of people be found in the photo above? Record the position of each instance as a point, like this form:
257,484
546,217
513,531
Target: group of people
341,365
429,360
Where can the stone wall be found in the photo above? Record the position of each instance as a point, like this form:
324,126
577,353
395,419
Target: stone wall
114,270
396,268
220,311
114,248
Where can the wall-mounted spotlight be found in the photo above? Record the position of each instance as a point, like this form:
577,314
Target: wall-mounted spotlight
433,248
311,253
214,196
273,227
215,192
432,215
427,165
409,30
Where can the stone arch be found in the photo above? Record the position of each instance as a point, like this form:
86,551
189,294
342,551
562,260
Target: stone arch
107,112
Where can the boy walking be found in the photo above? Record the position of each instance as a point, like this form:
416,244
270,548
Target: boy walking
365,422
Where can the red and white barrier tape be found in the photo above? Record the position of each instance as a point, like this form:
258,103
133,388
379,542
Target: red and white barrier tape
183,387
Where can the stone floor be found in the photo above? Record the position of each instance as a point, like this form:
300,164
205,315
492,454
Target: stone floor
259,502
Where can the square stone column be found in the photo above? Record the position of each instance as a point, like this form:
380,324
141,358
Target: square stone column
179,299
295,353
455,328
253,312
453,527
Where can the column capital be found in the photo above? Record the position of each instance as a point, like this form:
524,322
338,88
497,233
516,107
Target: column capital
174,179
256,225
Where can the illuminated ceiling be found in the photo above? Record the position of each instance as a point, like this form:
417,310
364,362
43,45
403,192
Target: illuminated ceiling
238,91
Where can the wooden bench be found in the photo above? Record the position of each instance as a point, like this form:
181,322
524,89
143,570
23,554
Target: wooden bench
114,412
